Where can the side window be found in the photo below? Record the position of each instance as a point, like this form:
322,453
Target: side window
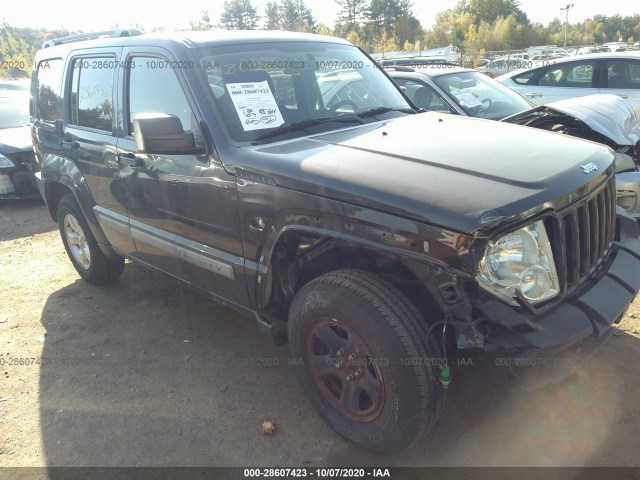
423,95
47,90
154,88
92,93
624,74
571,75
527,78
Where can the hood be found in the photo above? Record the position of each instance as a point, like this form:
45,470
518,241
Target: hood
609,115
461,173
15,140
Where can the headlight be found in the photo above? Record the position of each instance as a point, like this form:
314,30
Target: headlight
523,261
5,162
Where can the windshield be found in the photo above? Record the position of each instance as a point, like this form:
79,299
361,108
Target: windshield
297,88
481,96
14,109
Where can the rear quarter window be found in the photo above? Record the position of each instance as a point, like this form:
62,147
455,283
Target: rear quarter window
47,88
92,93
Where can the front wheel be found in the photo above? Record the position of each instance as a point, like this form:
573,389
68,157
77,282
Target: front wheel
359,351
81,246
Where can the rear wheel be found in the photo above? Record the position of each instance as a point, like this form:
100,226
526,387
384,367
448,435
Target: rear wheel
81,246
357,342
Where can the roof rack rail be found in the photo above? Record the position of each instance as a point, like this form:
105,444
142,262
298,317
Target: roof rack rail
400,68
120,32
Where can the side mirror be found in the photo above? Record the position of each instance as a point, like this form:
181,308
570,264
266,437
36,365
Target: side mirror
162,134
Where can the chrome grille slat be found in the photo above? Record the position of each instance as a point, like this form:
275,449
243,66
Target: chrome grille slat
595,231
613,205
572,235
584,227
607,218
602,224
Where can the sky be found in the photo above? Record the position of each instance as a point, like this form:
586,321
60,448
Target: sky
86,15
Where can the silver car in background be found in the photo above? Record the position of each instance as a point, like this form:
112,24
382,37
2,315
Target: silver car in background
578,76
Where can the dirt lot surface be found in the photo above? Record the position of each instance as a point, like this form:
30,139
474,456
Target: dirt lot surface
146,372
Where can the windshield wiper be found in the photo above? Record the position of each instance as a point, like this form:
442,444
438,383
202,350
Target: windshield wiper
293,127
380,110
350,118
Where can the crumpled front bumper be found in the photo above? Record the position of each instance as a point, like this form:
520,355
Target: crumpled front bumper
579,322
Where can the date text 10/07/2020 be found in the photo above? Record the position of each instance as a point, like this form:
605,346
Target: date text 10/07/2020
317,472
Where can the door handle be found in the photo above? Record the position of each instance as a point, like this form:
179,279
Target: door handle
129,159
533,95
69,144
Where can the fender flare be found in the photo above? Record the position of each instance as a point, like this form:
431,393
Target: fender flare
56,169
395,242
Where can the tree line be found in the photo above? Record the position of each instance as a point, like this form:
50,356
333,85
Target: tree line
474,25
377,26
390,25
18,47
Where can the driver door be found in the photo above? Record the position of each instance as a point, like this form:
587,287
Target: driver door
181,207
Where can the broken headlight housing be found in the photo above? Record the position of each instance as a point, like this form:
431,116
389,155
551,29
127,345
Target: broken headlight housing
521,261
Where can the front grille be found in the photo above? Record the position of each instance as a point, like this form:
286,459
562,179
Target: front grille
581,236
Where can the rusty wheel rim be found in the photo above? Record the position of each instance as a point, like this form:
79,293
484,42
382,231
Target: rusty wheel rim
345,370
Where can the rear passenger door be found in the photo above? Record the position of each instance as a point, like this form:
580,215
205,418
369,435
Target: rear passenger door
182,208
89,138
560,81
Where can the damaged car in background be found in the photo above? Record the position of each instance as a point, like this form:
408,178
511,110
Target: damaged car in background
17,160
602,118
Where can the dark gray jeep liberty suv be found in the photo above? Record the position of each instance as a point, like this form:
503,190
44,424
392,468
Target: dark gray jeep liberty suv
286,176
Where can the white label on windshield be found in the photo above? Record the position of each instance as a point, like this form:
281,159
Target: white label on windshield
256,105
466,99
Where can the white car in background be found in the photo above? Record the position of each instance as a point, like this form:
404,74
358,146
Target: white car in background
561,79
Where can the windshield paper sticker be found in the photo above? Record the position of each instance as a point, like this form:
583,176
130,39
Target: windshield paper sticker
255,105
466,98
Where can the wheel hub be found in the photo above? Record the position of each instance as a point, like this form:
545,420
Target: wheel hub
77,241
349,364
345,370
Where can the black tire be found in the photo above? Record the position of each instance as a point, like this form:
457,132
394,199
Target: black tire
395,397
94,267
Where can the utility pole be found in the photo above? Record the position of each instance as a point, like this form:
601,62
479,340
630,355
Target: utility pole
566,23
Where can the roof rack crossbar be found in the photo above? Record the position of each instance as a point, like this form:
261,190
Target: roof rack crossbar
120,32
